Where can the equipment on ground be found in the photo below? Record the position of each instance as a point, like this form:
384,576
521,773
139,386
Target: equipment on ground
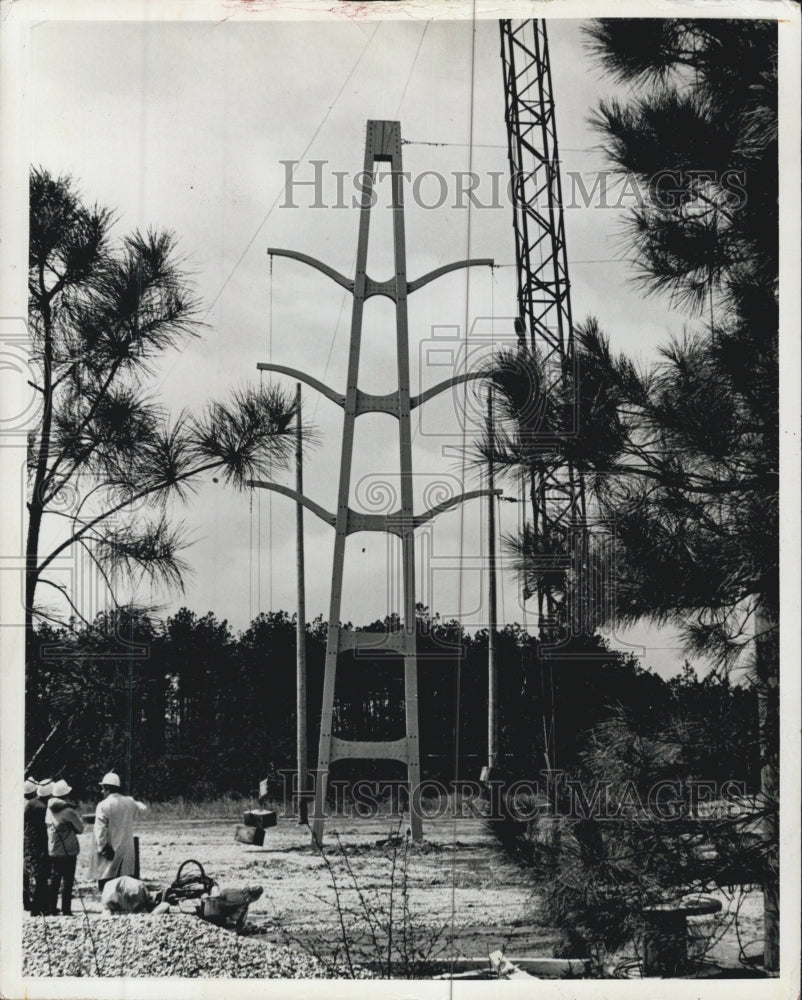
666,937
261,818
251,835
191,882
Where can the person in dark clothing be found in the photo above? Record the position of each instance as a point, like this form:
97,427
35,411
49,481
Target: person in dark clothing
37,859
29,793
63,826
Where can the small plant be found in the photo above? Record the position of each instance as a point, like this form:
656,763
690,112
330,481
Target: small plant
599,859
377,927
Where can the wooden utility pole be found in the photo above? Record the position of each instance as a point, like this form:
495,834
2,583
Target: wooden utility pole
300,624
492,677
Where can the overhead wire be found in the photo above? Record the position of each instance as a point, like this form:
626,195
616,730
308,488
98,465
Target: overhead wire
460,595
412,67
490,145
497,501
302,157
259,540
282,190
250,555
334,338
270,335
353,261
270,454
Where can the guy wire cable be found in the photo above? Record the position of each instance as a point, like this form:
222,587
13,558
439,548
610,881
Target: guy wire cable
458,677
278,196
250,556
412,67
259,537
334,336
303,155
270,454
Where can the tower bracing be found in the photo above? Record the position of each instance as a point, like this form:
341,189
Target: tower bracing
383,144
556,534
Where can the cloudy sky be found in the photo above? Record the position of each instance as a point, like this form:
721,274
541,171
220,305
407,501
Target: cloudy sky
184,126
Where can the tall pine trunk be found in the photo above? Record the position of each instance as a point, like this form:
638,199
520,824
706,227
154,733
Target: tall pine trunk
36,504
767,674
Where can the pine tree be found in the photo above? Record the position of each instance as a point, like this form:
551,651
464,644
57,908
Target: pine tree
698,543
680,461
105,457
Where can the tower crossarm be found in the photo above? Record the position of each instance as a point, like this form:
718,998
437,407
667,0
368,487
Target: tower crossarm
313,262
367,402
372,287
439,508
413,286
448,383
321,512
310,380
395,523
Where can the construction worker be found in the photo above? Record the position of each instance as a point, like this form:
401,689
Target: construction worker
28,793
63,826
37,859
128,895
114,831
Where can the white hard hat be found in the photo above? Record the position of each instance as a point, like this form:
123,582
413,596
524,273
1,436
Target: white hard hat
29,788
45,789
61,788
111,779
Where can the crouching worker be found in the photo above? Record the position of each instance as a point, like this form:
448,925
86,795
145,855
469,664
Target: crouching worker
229,907
63,826
127,894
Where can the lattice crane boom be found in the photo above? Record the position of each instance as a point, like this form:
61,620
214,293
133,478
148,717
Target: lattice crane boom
544,306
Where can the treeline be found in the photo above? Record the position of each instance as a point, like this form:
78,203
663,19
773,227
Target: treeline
185,706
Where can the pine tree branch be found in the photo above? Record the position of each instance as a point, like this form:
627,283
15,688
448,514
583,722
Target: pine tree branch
64,593
141,495
76,432
101,569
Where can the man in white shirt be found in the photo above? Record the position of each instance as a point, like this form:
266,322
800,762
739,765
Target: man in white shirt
114,831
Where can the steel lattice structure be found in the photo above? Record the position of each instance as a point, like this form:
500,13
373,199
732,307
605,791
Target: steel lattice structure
544,306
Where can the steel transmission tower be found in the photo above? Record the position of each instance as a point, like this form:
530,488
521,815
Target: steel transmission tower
545,329
383,144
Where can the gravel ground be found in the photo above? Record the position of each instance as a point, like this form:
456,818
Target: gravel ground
168,945
462,894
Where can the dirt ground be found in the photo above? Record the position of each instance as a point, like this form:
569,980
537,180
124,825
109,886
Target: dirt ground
465,898
459,884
